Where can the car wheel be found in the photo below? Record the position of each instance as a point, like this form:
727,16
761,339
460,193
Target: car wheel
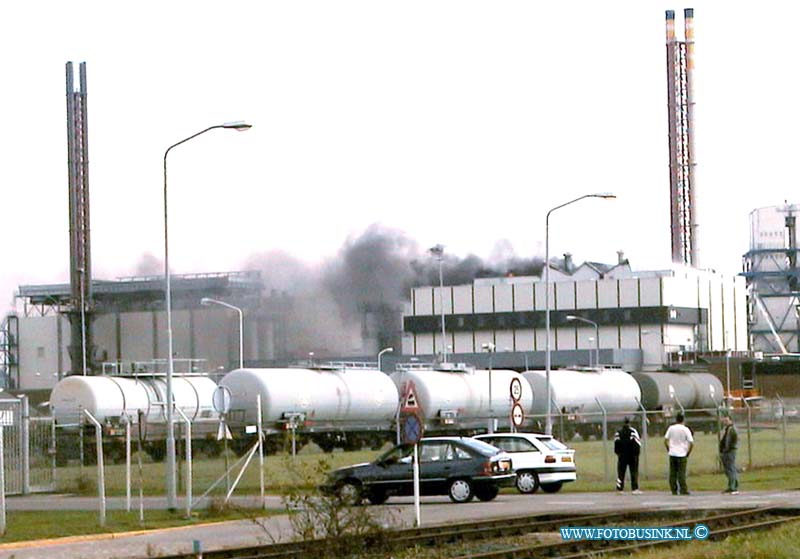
460,491
554,487
527,482
377,496
486,492
350,492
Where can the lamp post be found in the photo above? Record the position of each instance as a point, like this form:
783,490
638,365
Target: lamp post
438,253
381,352
206,301
572,318
606,195
171,478
490,348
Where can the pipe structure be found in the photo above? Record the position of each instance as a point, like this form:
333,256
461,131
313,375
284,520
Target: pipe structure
680,111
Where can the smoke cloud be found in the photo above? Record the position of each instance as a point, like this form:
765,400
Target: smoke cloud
352,304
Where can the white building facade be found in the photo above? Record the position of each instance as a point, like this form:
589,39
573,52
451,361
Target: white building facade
662,314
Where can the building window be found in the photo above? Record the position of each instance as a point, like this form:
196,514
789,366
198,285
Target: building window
40,352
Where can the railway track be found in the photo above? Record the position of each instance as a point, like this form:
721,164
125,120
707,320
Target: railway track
720,525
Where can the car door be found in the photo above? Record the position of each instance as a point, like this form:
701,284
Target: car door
434,466
393,473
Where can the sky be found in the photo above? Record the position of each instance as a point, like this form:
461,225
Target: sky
455,122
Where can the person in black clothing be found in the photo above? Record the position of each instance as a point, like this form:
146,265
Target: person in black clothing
727,453
627,447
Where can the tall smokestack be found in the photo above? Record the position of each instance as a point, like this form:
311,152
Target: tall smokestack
80,263
680,109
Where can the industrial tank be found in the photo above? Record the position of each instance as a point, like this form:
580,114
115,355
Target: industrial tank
108,398
320,395
661,389
708,390
577,391
463,394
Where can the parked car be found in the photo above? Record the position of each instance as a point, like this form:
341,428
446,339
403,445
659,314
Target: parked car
539,460
460,467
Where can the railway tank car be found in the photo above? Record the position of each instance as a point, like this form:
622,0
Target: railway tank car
331,406
669,393
579,396
113,400
456,399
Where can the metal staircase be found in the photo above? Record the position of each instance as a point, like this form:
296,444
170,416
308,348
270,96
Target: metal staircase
9,352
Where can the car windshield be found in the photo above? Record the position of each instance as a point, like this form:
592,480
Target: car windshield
396,453
552,443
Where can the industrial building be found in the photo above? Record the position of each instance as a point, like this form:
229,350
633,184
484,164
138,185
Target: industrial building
129,325
639,320
772,273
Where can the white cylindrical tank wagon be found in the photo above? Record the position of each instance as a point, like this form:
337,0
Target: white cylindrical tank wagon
460,397
318,398
578,391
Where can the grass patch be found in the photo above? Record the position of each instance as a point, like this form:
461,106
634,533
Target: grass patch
767,452
30,525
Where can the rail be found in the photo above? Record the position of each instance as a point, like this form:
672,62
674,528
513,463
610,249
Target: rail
720,525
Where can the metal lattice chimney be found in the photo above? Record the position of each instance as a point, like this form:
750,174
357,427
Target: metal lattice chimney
81,346
680,104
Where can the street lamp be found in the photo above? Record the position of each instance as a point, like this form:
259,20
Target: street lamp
171,478
438,253
572,317
490,348
381,352
206,301
606,195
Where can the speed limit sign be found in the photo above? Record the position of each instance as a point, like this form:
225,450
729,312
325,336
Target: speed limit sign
516,389
517,415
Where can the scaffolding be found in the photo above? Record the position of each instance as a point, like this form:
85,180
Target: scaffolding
770,267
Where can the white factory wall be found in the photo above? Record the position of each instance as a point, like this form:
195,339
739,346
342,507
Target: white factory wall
215,340
723,298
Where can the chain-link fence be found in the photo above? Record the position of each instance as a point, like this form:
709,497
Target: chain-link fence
28,448
768,429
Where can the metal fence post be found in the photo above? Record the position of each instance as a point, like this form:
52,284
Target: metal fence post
54,454
783,426
188,448
605,439
127,462
644,439
101,484
2,482
260,453
26,446
749,432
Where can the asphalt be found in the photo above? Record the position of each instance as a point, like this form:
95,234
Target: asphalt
398,512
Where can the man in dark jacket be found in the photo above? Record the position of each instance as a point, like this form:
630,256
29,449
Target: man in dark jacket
727,453
627,447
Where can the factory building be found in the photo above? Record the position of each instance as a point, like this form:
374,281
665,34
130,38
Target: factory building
772,273
129,325
644,319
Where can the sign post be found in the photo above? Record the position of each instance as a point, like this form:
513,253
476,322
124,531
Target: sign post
412,429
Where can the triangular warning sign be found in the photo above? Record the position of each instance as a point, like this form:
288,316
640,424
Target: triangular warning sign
410,402
223,432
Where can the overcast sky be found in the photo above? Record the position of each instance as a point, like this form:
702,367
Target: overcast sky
456,122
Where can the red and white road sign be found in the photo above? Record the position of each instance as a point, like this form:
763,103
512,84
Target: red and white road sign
517,415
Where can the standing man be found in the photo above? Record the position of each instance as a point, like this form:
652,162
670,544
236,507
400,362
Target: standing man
627,447
679,443
727,453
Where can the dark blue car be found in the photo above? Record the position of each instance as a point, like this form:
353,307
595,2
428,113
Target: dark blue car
461,468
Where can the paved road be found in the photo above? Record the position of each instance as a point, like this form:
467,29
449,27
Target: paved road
399,511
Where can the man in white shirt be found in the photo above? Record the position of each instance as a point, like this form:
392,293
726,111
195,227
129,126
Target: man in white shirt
679,443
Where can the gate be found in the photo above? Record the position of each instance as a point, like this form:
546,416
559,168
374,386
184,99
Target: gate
28,448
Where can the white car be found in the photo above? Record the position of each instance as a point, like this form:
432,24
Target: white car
539,460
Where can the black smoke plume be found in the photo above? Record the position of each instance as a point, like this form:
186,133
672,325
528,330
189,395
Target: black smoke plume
352,304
